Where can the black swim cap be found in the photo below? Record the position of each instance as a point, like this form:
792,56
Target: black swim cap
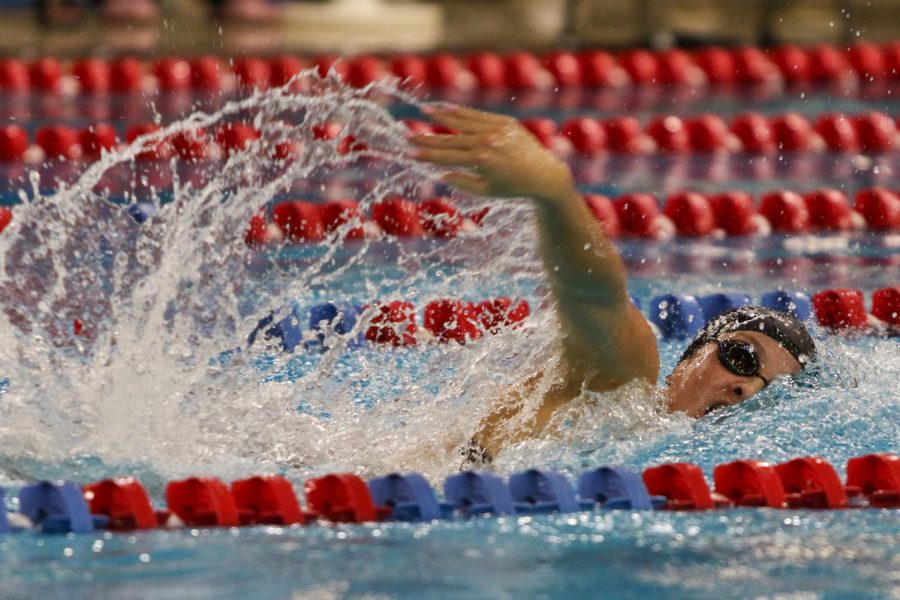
785,329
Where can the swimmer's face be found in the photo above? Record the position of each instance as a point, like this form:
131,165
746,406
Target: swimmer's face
702,383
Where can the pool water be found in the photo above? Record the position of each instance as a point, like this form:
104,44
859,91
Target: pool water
148,391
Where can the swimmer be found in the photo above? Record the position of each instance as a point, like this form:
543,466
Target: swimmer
606,341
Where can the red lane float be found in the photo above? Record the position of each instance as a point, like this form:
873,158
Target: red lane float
340,498
880,209
708,133
5,218
125,75
410,69
192,144
497,313
670,134
885,303
440,218
585,134
14,75
786,211
252,73
838,131
794,133
267,500
692,214
206,75
13,143
452,320
92,74
625,135
877,132
735,213
811,482
97,139
877,477
202,502
299,221
545,130
235,137
682,484
750,483
793,63
284,68
829,210
638,215
603,210
601,69
124,501
59,142
565,67
753,67
840,309
172,74
755,133
398,216
463,321
394,323
337,214
156,151
45,74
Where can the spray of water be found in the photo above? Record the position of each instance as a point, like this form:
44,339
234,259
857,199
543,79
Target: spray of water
159,301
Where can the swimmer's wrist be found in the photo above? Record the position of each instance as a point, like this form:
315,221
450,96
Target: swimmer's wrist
562,195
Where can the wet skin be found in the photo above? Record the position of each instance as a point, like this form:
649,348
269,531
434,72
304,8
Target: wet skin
702,384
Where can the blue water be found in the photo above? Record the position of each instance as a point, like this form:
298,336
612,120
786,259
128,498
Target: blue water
373,410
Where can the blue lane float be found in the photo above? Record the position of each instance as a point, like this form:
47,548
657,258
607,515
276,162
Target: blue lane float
4,520
58,507
676,315
408,496
797,304
285,333
617,488
713,305
478,493
338,317
544,491
142,211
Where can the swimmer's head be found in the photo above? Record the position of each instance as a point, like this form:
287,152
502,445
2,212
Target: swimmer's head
736,355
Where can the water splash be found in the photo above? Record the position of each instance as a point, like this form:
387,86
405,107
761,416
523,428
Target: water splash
158,301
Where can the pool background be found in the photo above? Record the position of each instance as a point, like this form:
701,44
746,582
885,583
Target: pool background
123,409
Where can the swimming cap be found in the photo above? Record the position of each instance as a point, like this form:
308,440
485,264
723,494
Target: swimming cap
785,329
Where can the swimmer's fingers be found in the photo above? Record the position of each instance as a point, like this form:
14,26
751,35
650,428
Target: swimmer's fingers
468,182
449,142
463,122
447,157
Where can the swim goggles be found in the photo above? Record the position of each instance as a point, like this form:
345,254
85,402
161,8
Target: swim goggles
740,358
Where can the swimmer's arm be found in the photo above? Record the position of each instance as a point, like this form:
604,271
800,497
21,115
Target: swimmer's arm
606,341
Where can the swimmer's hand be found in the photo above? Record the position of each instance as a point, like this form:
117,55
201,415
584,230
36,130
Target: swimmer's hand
498,155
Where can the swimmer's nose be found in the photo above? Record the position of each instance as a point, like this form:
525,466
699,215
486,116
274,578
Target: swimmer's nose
742,391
